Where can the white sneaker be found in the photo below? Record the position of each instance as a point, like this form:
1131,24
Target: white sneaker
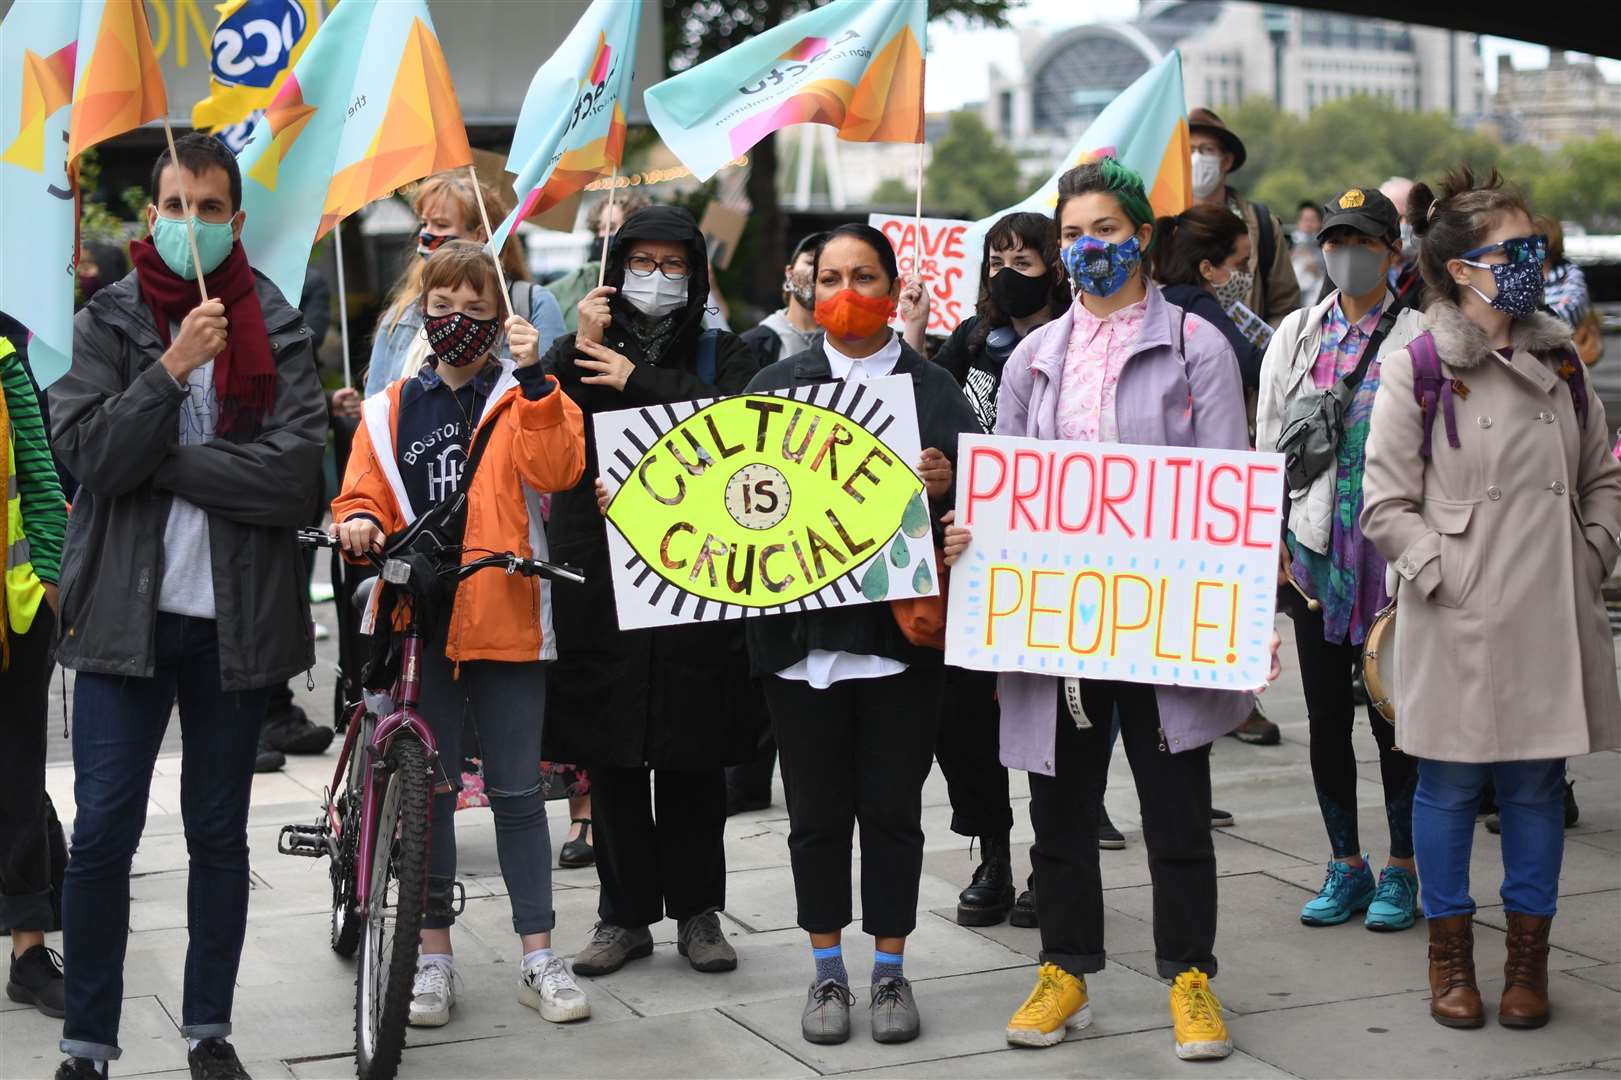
548,987
433,993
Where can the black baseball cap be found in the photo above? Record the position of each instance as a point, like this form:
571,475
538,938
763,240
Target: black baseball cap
1367,210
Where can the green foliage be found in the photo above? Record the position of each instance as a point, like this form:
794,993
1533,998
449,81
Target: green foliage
971,173
1583,183
893,192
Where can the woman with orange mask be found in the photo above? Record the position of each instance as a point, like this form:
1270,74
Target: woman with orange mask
854,703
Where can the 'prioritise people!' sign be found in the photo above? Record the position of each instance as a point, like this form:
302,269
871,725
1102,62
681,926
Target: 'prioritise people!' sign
1146,564
795,500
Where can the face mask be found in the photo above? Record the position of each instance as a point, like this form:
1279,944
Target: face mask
803,290
458,339
1206,174
1355,270
847,314
1519,286
1234,289
1020,294
1101,268
214,242
654,295
428,243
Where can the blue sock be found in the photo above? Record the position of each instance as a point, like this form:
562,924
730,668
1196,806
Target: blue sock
886,965
830,965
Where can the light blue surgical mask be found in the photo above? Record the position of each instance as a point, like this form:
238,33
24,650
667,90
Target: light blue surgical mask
214,242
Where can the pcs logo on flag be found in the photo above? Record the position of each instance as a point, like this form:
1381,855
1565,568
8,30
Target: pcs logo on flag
253,44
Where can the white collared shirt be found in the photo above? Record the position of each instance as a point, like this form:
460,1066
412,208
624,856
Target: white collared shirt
876,366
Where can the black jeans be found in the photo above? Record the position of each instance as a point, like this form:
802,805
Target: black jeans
968,748
858,751
1325,673
118,726
25,848
660,843
1174,793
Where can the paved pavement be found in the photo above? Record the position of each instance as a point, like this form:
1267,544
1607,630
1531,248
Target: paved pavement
1337,1002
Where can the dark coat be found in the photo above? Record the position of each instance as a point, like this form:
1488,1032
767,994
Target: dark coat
1201,302
676,697
115,425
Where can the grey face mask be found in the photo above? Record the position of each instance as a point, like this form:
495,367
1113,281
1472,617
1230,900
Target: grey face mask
1355,270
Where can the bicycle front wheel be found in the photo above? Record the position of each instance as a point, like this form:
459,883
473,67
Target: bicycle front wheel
398,895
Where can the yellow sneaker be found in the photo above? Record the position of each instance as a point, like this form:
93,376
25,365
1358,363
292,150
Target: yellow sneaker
1056,1005
1196,1015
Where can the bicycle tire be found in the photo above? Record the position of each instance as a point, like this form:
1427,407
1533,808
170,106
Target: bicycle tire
346,920
405,860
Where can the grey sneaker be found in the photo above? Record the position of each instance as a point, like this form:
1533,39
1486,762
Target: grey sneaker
611,948
699,939
826,1019
894,1011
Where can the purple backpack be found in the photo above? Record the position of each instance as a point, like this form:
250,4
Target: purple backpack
1431,388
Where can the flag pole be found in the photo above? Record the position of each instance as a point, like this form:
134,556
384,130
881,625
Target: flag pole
602,263
484,215
343,303
185,207
917,217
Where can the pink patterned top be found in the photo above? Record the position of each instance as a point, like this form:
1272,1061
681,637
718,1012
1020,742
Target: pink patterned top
1097,351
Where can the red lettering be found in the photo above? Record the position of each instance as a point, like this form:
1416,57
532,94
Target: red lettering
1021,494
1221,507
977,493
1111,500
954,236
1176,465
1253,510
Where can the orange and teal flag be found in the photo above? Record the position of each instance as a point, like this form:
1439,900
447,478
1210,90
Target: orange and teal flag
856,65
73,73
367,109
255,44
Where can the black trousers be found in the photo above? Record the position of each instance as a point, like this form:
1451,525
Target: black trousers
968,748
1325,674
660,843
857,752
25,848
1174,792
752,779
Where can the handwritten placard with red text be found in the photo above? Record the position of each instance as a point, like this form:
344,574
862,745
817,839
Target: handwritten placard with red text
1148,564
945,259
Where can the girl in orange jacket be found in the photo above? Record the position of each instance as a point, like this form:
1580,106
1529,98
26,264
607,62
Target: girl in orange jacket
410,454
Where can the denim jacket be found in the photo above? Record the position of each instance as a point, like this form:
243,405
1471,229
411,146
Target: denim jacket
390,345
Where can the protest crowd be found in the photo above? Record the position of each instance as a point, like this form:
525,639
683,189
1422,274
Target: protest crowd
1402,375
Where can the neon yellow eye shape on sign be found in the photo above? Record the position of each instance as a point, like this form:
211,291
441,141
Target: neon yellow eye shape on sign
761,500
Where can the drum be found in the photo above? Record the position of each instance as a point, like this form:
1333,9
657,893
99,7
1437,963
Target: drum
1379,671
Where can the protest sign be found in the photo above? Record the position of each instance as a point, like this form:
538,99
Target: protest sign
945,259
795,500
1150,564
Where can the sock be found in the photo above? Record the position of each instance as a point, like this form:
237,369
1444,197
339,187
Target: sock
886,965
191,1044
830,965
536,956
445,959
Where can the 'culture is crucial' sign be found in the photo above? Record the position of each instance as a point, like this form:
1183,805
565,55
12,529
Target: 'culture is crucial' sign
1141,563
763,503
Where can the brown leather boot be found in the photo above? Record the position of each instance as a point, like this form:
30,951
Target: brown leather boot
1525,972
1454,997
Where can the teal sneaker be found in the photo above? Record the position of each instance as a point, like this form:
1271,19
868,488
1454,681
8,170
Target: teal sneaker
1345,892
1395,902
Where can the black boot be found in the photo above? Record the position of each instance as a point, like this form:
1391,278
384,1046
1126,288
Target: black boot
1024,909
989,896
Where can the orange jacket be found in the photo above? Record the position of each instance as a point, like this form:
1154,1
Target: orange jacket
539,447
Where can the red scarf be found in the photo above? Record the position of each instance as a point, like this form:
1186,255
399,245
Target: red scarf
244,371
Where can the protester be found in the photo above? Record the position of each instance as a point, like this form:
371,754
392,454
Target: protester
36,518
1217,154
1191,250
1121,364
1313,350
1498,504
494,663
602,221
670,707
1304,253
854,703
196,431
1564,285
447,208
791,329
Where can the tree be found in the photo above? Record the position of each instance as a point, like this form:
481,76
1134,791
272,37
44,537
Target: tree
971,173
893,192
695,30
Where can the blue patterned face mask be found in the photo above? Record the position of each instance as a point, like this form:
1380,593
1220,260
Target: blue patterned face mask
1099,267
1519,286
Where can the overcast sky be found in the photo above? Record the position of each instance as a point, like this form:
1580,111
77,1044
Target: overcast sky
967,54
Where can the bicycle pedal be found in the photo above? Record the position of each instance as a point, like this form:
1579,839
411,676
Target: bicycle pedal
306,840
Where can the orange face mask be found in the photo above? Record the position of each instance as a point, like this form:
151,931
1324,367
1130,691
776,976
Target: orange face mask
847,314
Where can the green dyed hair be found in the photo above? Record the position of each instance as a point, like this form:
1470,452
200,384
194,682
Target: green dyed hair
1107,175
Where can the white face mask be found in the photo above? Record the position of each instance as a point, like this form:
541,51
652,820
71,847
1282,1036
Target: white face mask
1207,175
654,295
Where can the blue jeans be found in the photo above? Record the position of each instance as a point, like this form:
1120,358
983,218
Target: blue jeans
118,726
1531,806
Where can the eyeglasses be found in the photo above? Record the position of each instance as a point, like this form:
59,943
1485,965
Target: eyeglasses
643,265
1519,249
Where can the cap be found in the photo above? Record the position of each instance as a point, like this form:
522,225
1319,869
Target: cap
1202,119
1367,210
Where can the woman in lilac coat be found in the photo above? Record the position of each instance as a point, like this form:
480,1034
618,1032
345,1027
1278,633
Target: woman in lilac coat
1122,364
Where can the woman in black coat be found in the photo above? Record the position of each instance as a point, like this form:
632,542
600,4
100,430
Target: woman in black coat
675,700
1201,259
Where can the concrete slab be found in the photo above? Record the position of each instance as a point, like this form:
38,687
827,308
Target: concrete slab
1586,925
147,1035
1608,975
1148,1054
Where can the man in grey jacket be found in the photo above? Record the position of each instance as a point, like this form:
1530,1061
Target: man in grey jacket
196,431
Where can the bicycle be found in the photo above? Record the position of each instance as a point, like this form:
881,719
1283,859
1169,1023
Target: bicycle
374,824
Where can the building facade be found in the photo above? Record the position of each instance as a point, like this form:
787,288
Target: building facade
1568,99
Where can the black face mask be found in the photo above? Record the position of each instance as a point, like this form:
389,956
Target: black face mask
1018,294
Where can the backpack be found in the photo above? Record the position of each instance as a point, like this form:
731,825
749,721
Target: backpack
1266,248
704,357
1433,390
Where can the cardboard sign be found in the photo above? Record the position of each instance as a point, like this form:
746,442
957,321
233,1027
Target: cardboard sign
1148,564
948,262
722,227
765,503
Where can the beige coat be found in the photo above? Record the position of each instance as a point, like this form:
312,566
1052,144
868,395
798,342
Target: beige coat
1497,550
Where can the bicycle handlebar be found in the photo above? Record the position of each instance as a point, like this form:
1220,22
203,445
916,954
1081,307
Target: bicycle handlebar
512,564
